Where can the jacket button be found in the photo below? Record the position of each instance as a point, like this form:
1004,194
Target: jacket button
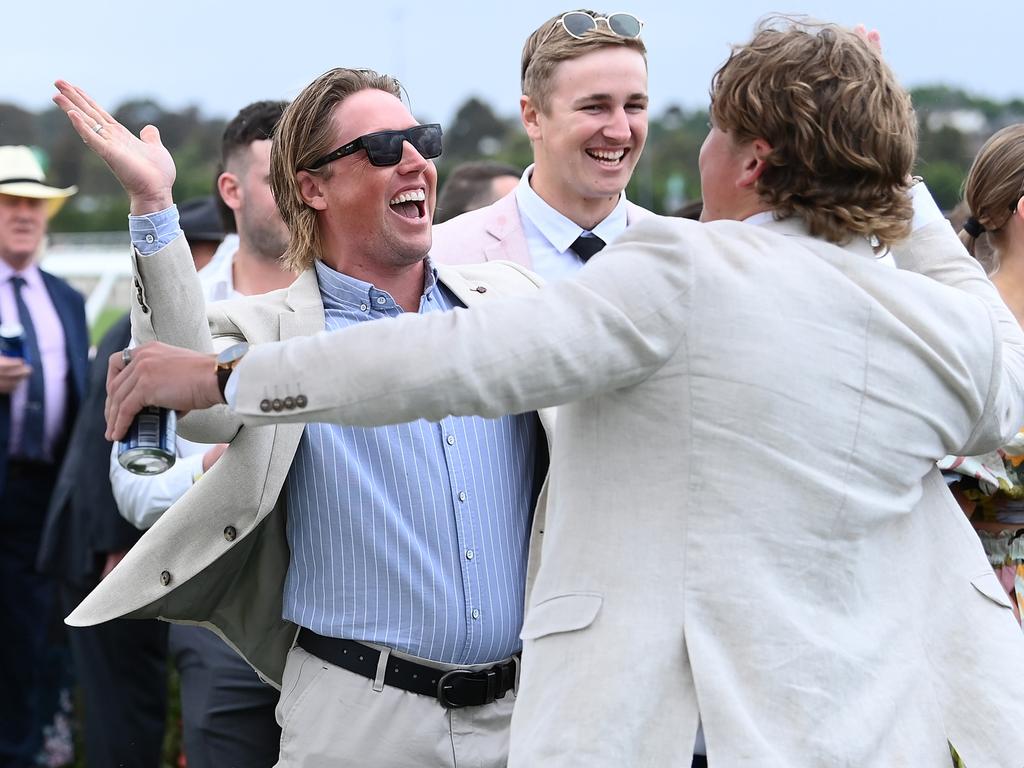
301,401
230,533
165,578
289,403
265,405
277,405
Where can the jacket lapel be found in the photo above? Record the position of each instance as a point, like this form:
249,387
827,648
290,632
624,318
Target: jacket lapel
507,230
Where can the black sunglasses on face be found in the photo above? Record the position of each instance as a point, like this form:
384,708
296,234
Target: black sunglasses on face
385,148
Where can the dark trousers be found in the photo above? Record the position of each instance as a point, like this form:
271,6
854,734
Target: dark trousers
699,761
227,711
26,614
121,668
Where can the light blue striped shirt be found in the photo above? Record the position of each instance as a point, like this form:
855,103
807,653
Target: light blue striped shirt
413,536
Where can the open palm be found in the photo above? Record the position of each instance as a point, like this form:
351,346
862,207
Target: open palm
141,163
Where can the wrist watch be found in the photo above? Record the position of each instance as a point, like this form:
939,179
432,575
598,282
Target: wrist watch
227,361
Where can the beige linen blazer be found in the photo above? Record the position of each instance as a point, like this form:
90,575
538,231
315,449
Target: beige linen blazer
219,555
494,233
744,519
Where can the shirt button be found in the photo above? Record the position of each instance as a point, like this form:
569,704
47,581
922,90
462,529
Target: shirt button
381,300
476,613
165,577
470,554
230,533
150,238
363,307
462,495
450,439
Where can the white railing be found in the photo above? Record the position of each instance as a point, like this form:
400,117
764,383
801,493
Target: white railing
95,263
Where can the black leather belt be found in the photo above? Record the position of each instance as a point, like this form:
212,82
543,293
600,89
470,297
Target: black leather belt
452,688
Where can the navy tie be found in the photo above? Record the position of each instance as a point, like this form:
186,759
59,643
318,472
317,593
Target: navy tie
33,423
585,247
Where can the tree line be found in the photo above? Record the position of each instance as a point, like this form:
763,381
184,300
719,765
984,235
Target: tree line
952,126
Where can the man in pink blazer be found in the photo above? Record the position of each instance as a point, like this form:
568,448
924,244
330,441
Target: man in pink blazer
584,107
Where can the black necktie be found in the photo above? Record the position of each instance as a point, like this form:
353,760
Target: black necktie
587,246
32,425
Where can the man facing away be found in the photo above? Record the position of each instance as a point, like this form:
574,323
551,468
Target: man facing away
728,388
227,711
394,559
584,108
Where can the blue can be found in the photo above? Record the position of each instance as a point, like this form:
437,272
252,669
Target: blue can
148,446
12,340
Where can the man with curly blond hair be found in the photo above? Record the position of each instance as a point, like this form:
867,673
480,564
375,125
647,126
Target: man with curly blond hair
745,526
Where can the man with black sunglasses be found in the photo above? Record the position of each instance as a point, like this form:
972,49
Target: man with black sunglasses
376,576
584,108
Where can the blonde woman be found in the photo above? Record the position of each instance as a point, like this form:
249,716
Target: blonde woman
991,489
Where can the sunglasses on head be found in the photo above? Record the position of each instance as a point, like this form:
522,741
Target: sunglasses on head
577,23
385,148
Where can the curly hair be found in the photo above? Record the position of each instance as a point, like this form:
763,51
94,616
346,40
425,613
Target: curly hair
304,134
842,131
995,185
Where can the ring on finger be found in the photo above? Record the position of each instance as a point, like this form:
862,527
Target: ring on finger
98,127
126,355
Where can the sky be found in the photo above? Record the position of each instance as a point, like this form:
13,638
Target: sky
221,56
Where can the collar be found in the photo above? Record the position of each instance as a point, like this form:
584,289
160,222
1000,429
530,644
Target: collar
341,291
33,277
556,228
794,226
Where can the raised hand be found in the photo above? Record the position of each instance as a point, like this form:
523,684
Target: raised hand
141,163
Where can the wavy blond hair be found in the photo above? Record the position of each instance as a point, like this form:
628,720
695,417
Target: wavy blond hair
842,131
304,134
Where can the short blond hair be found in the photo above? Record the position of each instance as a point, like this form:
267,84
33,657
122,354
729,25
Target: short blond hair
995,184
550,45
842,131
305,134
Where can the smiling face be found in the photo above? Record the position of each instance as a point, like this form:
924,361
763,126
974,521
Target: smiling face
22,227
372,216
588,138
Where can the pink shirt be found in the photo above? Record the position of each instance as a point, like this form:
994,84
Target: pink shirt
52,349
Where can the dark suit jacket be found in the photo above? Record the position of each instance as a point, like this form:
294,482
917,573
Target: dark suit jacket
82,522
71,310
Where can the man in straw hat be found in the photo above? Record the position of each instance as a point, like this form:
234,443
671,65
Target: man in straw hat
39,393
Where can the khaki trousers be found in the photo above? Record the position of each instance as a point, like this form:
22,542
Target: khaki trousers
333,718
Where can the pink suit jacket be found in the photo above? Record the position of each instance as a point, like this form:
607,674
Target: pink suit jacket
494,233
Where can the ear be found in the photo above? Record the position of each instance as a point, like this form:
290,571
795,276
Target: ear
311,189
230,190
754,162
530,113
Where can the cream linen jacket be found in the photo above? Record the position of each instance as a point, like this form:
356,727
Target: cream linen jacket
219,555
744,519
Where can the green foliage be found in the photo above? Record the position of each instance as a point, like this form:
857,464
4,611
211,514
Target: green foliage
666,174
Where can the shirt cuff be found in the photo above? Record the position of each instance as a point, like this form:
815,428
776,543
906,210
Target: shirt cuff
231,389
926,210
153,231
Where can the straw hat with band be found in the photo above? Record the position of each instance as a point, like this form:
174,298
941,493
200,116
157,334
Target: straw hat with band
21,175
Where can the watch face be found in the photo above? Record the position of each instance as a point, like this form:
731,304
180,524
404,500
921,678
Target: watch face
232,354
